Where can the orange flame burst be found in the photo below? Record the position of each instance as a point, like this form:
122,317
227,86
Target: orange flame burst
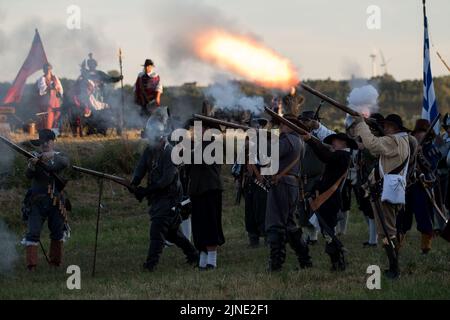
247,58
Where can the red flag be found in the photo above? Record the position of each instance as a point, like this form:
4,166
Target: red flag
35,60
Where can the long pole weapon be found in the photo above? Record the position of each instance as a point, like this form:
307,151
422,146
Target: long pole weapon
121,122
100,192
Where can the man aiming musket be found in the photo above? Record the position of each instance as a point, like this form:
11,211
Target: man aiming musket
45,199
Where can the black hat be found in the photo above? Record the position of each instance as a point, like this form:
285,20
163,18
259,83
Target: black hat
378,117
343,137
260,122
292,118
307,115
396,120
148,62
44,136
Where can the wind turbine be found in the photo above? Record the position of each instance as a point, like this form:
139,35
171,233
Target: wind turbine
373,57
384,63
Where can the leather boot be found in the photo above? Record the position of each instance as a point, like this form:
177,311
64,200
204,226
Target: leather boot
154,253
31,257
277,244
56,252
336,256
253,241
300,248
425,243
393,272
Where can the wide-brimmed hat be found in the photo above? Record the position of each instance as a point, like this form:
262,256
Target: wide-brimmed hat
396,120
343,137
258,122
422,125
44,136
148,62
307,115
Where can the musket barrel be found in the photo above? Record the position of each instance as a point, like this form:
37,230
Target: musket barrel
60,182
103,175
371,122
286,122
329,100
430,129
221,122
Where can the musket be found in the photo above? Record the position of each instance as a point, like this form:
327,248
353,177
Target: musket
97,225
122,181
446,230
221,122
316,115
372,123
430,130
60,183
289,124
375,194
240,179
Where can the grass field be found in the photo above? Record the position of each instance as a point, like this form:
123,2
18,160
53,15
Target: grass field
123,243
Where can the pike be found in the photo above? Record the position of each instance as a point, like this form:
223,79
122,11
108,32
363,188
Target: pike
346,109
121,93
60,183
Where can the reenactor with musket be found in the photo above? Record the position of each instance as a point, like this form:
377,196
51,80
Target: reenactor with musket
365,163
312,171
164,193
328,200
255,194
388,180
45,200
282,202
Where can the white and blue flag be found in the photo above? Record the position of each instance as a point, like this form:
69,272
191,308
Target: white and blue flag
429,107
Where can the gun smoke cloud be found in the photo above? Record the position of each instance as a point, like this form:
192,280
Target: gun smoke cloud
9,255
215,45
228,96
364,100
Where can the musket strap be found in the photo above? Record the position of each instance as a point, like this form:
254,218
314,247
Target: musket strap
317,202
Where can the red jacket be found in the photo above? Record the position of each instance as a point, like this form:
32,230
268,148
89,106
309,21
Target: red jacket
146,88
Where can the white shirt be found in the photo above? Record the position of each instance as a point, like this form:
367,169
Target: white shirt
322,132
43,88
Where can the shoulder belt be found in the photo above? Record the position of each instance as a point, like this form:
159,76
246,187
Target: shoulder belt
317,202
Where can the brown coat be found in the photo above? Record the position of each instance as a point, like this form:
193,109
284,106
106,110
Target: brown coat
392,149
